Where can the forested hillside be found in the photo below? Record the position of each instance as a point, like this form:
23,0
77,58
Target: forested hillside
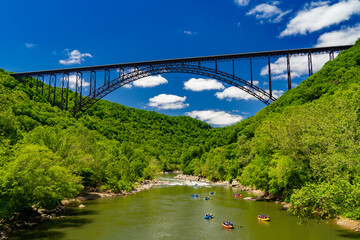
304,146
47,155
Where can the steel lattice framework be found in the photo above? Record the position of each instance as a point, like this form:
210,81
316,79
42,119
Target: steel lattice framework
173,68
130,72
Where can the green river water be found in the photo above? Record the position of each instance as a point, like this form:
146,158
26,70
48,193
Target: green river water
169,212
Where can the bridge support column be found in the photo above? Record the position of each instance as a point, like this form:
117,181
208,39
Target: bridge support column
64,77
288,71
81,83
270,87
331,55
215,66
37,81
310,64
52,80
251,72
121,75
54,91
92,83
233,65
67,91
107,76
43,84
78,90
49,88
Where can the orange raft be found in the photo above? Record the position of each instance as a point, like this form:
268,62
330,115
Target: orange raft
227,225
237,195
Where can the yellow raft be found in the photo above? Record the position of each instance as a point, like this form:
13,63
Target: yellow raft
263,218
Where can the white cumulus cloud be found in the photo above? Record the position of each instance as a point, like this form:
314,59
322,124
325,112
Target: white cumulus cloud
276,93
234,93
168,101
319,15
267,12
75,57
219,118
298,66
242,2
201,84
344,36
150,81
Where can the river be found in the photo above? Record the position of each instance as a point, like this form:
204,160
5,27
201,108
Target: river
169,212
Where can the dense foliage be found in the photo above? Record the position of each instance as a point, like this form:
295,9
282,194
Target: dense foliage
47,155
304,147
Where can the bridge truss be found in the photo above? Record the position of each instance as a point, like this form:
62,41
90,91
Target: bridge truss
129,72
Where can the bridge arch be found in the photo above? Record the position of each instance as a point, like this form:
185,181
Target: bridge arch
151,70
190,65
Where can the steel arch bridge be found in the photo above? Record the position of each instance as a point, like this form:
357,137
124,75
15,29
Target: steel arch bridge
174,68
130,72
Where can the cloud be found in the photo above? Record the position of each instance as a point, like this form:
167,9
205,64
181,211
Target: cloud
319,15
242,2
298,66
189,32
345,36
129,85
220,118
30,45
256,83
267,12
150,81
201,84
75,57
234,93
168,101
276,93
72,82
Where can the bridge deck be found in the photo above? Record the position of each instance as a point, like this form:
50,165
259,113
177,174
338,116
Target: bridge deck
227,57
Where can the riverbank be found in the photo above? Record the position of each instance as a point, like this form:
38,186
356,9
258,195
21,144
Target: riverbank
32,217
233,184
92,195
350,224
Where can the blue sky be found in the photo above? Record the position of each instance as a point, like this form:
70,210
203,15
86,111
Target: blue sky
40,35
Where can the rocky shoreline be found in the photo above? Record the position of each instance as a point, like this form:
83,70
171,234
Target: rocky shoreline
348,223
260,194
92,195
31,217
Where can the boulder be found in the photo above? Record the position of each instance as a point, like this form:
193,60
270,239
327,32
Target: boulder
250,199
